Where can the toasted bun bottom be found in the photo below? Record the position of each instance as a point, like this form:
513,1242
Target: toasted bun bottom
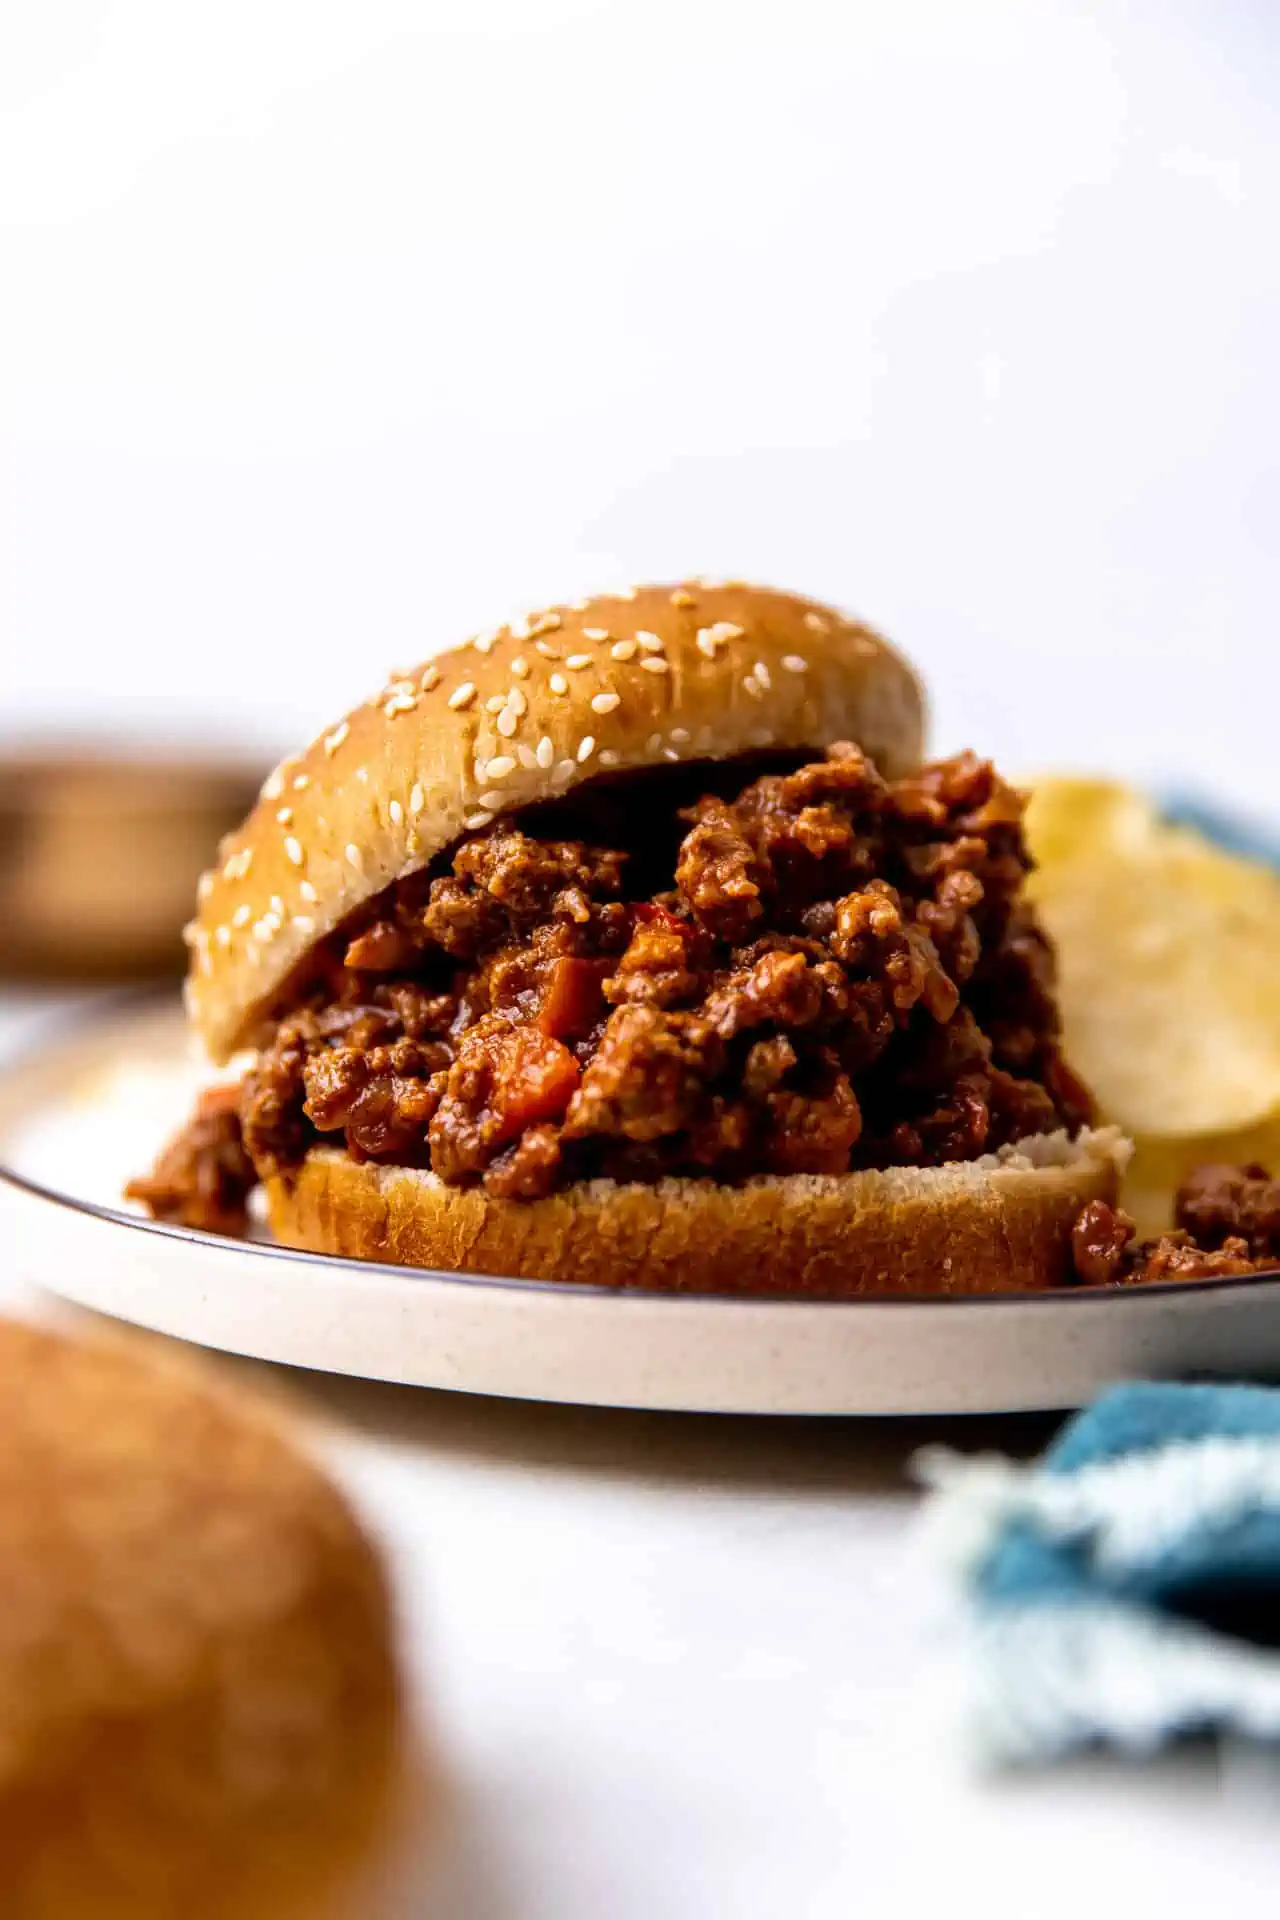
1001,1224
198,1699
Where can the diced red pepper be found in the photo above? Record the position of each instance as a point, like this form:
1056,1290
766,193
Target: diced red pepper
572,1001
534,1079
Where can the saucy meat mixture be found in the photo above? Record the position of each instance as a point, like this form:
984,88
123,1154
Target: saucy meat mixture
1226,1222
813,971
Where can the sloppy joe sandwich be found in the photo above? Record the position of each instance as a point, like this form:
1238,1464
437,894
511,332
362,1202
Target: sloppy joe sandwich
632,943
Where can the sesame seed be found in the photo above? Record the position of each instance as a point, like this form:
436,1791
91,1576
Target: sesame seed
308,892
669,753
204,886
241,917
273,785
586,747
608,758
499,769
354,856
579,606
462,696
474,821
558,683
519,629
564,772
577,661
495,703
595,633
477,767
518,702
416,797
293,847
624,593
396,811
520,667
429,677
654,663
680,735
546,623
527,757
507,722
402,703
605,702
545,648
332,741
494,801
284,815
752,686
762,675
815,623
623,649
483,642
301,780
705,644
191,933
263,929
546,752
863,644
650,642
795,663
223,936
653,743
683,598
277,906
304,923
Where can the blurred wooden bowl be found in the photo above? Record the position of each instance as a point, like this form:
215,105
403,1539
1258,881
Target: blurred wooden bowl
99,858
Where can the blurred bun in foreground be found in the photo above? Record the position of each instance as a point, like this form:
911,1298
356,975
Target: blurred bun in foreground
99,856
198,1700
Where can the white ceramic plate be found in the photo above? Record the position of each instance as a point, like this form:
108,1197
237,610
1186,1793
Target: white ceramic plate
86,1112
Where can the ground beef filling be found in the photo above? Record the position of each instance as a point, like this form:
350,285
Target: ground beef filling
824,971
1227,1222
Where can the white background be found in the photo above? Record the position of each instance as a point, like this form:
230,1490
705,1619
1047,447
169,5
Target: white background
328,332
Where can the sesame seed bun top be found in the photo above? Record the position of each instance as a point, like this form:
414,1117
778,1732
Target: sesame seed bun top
632,679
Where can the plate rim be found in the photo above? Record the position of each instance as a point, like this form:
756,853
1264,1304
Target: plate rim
30,1058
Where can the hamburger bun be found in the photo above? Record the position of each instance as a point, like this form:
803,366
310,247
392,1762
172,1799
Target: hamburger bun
198,1695
1001,1224
644,678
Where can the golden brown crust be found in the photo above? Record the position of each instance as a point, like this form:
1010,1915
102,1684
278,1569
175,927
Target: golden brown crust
1000,1225
198,1711
639,679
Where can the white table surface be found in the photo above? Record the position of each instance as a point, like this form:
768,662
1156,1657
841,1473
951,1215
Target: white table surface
681,1666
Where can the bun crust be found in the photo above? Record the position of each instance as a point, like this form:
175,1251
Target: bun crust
198,1702
630,680
997,1225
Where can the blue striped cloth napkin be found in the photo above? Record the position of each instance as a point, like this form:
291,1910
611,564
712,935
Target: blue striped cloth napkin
1123,1591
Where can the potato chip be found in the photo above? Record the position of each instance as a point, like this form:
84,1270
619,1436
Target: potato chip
1169,958
1159,1167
